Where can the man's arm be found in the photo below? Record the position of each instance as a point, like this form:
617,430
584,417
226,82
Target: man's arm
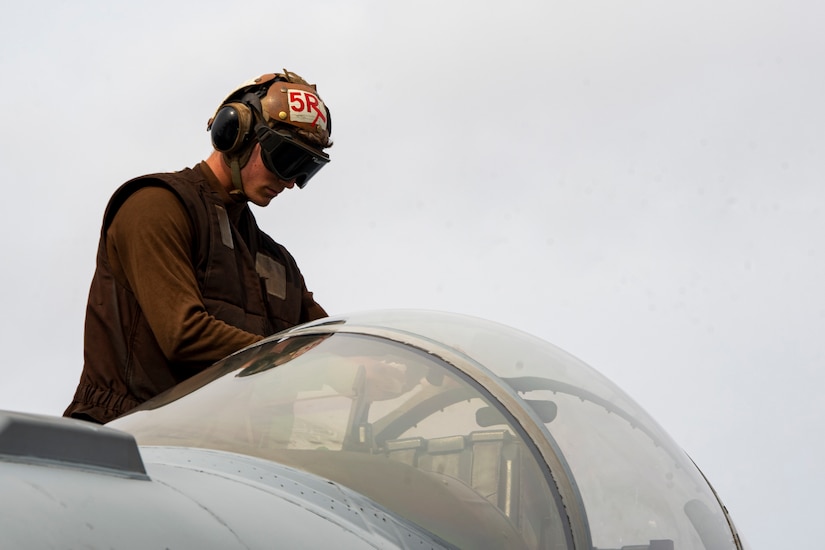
149,245
310,309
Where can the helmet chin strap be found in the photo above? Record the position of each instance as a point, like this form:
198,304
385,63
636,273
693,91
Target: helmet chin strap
237,182
236,162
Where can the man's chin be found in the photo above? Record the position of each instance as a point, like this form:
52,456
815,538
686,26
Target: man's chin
260,201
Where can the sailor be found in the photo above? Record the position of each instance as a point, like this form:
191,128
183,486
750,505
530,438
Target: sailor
184,276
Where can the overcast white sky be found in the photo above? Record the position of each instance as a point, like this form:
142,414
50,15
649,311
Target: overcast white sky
636,181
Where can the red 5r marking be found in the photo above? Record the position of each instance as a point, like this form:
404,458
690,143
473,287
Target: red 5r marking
302,101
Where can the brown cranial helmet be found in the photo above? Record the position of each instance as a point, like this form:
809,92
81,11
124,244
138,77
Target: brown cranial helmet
282,112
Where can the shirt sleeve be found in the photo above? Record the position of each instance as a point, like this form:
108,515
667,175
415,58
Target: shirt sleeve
149,245
310,309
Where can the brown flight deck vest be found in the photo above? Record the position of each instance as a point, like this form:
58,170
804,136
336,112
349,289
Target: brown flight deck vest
246,279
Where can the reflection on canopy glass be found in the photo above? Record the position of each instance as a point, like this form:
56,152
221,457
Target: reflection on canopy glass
389,421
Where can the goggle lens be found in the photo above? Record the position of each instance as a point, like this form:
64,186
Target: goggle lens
287,157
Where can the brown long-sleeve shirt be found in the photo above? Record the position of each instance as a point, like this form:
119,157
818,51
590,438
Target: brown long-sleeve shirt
149,246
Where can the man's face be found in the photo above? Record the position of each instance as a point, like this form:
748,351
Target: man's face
259,184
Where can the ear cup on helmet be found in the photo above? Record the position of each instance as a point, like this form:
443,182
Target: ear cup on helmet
230,127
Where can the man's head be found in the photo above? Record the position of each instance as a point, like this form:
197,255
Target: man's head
284,115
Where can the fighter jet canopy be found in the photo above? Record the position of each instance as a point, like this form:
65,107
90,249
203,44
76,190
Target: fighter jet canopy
481,434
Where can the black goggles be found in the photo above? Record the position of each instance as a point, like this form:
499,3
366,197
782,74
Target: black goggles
287,157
